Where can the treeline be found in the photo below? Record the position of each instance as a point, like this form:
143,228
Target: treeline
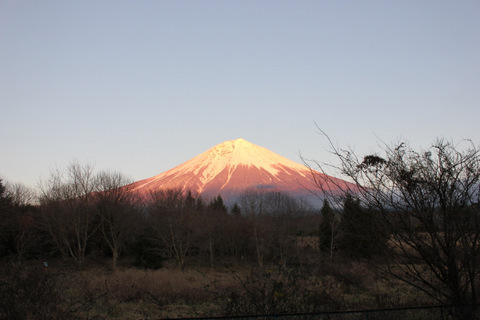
268,241
78,214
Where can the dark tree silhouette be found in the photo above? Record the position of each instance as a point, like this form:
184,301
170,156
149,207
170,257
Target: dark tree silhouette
6,206
116,204
68,211
362,233
329,229
172,223
428,200
236,211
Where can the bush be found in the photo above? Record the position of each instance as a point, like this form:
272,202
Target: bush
147,254
29,293
269,291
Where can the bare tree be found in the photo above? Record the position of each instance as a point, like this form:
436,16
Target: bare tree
234,234
252,205
273,216
283,212
210,226
172,222
20,194
117,204
22,218
69,210
429,201
53,218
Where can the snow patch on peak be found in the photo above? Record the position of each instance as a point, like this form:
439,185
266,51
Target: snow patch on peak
240,152
231,154
240,142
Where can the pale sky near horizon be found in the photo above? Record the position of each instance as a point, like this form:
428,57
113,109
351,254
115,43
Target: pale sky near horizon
142,86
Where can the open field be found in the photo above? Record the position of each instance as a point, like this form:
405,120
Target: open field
94,292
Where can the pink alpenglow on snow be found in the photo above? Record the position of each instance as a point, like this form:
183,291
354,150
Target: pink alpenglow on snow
230,168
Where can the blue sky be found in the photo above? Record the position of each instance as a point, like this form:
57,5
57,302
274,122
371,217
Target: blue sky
142,86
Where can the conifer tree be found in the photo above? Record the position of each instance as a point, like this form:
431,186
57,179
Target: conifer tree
5,199
329,227
5,225
236,211
217,205
362,236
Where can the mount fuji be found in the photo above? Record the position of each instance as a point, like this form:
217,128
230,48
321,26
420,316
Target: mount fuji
231,167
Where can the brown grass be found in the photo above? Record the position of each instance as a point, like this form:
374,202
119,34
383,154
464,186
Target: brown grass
129,293
140,293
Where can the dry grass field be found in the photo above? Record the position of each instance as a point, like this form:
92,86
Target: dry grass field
94,292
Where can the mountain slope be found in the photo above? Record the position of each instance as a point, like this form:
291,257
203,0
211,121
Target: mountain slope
230,168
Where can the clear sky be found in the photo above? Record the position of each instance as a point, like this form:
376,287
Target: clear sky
142,86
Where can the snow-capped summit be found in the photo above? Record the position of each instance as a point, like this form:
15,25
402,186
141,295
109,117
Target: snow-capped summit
230,168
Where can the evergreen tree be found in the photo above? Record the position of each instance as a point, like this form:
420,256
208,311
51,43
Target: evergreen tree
6,225
189,200
236,211
5,199
217,205
328,229
148,252
199,204
361,237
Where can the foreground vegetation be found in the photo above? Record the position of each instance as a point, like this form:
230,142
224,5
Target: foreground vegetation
86,246
61,291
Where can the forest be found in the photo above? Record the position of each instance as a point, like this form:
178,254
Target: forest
85,246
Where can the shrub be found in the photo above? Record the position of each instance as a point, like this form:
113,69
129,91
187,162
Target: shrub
29,293
270,291
147,253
